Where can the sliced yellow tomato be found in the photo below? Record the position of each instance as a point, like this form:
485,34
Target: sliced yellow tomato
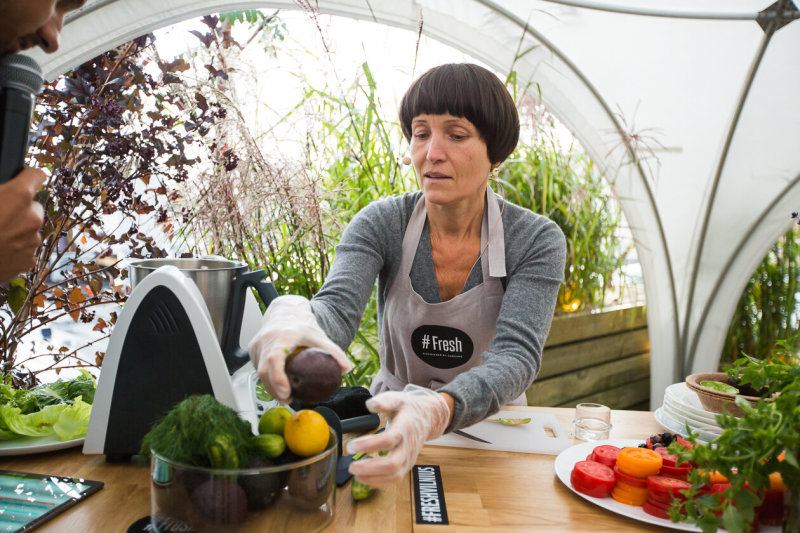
630,491
622,497
639,462
713,476
776,482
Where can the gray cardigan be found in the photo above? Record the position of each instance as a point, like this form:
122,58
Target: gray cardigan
535,251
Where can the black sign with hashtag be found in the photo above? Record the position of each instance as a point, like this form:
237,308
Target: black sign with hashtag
442,346
429,505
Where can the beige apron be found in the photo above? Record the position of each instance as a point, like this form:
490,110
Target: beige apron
430,344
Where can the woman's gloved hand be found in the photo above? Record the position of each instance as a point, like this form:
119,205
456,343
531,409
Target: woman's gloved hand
416,415
287,324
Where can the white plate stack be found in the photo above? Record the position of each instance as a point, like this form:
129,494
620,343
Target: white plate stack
682,408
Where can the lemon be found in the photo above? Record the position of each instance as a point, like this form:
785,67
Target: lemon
273,420
306,433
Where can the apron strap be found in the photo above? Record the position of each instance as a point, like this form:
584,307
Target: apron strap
491,232
497,246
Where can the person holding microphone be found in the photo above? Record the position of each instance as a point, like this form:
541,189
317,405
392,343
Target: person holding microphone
23,25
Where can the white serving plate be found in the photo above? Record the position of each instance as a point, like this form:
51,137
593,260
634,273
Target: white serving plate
693,423
675,426
687,413
566,461
31,445
680,416
687,399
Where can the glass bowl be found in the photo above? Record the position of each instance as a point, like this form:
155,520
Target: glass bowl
295,497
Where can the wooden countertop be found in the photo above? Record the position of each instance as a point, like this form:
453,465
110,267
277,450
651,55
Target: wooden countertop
484,490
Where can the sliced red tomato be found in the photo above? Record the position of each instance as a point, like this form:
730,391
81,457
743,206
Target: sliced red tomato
683,442
654,510
660,503
661,497
667,485
606,454
677,472
770,512
719,488
596,491
594,477
667,458
631,480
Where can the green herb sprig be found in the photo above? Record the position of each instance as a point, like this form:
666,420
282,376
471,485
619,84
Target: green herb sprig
747,451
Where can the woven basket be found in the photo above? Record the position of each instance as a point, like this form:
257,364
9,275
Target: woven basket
714,400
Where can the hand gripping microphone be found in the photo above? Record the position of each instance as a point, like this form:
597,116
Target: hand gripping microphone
20,79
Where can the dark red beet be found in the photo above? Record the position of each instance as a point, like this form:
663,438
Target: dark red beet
313,374
221,501
261,489
311,485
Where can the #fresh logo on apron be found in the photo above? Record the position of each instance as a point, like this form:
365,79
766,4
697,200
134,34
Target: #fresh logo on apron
441,346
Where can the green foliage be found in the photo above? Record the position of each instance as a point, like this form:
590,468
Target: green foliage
59,391
287,217
769,308
110,138
562,185
748,449
61,408
291,217
200,431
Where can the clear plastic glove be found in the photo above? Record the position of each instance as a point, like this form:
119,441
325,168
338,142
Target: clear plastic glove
416,415
287,324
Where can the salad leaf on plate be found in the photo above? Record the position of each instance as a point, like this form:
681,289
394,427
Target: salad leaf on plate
74,420
57,392
61,408
36,424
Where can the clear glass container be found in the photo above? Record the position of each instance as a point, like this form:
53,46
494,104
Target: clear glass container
592,421
295,497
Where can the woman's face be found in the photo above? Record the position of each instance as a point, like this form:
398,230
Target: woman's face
450,158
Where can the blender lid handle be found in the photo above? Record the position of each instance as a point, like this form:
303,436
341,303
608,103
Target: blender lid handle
235,355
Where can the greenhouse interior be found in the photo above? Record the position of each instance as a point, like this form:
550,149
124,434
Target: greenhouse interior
660,137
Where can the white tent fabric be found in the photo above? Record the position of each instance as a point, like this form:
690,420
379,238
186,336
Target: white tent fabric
690,107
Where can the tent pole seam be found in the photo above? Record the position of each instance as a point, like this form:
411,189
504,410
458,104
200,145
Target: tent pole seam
736,252
598,6
528,29
751,74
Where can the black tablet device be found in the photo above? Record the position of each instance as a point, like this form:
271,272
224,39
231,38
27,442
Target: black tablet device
27,500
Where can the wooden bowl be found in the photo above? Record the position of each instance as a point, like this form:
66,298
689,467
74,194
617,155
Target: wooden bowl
714,400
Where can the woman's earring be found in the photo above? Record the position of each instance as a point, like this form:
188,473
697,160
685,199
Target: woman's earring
406,160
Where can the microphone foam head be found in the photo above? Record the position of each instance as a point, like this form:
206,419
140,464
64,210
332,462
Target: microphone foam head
21,72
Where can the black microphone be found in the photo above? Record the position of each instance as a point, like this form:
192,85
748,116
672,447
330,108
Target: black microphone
20,79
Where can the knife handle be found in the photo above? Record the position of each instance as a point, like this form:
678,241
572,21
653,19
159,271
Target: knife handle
361,423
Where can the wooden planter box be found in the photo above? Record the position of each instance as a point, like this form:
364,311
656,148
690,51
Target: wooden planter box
597,357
